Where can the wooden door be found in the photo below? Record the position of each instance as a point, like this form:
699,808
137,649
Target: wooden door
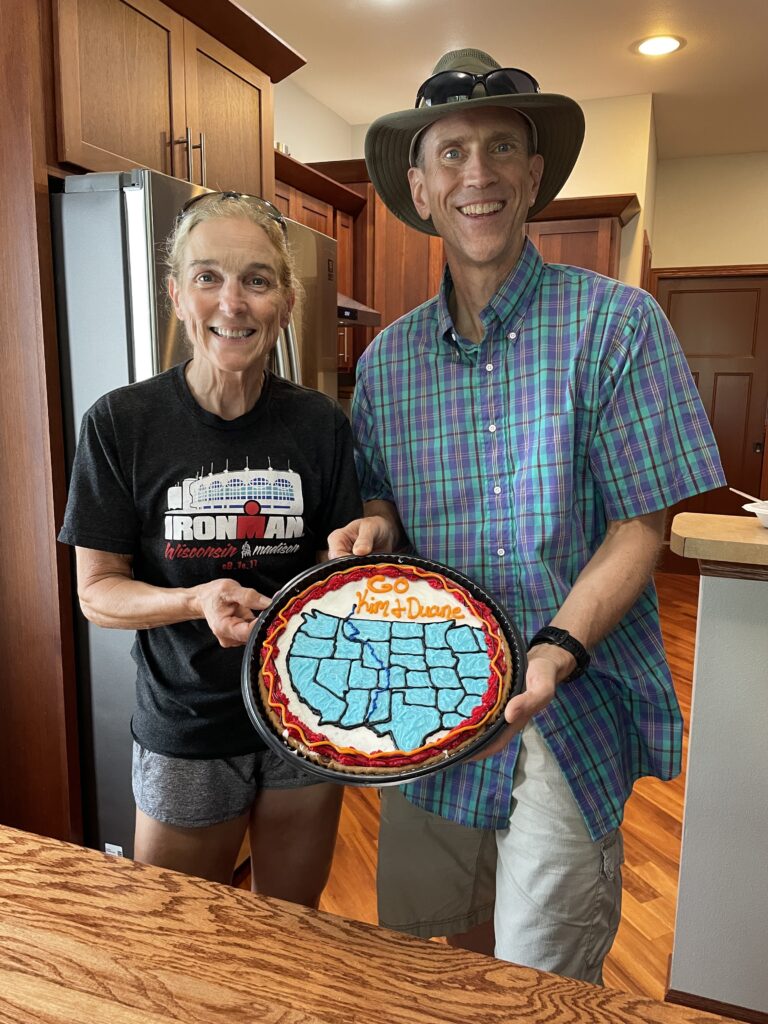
120,84
229,112
592,243
722,323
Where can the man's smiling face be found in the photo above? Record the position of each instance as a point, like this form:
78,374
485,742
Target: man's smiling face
477,181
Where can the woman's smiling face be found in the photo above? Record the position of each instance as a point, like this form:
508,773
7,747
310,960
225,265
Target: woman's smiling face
228,294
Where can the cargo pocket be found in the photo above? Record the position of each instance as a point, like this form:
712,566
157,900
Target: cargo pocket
607,911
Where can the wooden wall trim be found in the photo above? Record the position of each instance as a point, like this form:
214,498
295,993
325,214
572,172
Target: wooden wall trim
39,784
733,570
729,270
713,1006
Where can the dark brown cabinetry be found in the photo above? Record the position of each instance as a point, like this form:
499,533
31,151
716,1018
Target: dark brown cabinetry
229,115
584,232
137,84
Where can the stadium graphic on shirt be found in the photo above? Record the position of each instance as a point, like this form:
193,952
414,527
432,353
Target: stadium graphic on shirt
234,514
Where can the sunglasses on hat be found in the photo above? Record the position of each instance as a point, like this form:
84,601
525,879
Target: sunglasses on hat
453,86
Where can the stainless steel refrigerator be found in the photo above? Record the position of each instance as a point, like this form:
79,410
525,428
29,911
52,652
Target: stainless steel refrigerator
116,326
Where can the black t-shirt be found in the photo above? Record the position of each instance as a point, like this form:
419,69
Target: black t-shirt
192,498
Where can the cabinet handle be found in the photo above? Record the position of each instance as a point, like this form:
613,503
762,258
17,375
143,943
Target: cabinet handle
186,140
201,147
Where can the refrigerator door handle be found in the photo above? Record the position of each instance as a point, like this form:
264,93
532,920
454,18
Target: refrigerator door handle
280,361
293,353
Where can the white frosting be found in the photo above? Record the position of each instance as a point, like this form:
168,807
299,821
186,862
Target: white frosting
382,599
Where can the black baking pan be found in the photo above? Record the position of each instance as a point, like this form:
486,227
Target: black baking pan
253,657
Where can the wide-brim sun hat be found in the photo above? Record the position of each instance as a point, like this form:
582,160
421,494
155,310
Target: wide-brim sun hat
558,122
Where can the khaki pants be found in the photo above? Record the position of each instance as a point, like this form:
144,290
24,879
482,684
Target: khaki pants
557,892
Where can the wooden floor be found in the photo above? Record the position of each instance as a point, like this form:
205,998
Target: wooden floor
652,829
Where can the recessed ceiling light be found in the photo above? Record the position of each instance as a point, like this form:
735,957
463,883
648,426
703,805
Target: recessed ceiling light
656,46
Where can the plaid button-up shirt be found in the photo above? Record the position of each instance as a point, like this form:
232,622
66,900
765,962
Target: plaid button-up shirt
506,459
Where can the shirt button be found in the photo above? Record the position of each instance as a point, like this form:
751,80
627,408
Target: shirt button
492,428
501,551
489,367
512,335
497,490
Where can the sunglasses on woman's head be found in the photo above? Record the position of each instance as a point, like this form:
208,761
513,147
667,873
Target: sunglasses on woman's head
263,205
450,86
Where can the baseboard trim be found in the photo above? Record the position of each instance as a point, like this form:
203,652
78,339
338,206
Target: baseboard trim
713,1006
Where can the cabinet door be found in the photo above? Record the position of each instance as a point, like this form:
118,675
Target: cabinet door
229,111
343,229
592,243
313,212
344,225
283,194
120,84
407,265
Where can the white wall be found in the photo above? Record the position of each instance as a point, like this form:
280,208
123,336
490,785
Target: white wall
311,130
614,160
711,211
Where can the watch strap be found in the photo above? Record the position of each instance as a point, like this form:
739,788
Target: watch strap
562,638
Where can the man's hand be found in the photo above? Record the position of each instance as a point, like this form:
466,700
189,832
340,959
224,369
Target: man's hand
229,610
362,536
546,664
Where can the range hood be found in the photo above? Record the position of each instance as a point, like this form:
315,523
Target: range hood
352,313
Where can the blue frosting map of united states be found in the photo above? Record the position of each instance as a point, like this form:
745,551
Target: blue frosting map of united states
407,680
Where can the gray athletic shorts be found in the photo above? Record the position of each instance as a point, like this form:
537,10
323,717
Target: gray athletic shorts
193,793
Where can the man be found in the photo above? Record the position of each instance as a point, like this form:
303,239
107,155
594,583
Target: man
528,426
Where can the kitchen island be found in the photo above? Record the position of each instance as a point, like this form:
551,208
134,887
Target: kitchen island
85,937
720,953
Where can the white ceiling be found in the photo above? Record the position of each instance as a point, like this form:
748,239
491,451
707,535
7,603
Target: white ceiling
367,57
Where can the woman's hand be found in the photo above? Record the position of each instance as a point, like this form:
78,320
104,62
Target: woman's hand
229,609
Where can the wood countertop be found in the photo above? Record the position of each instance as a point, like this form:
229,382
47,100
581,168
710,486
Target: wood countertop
720,538
85,937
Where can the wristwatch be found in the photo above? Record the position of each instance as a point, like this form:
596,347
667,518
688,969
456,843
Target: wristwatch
562,638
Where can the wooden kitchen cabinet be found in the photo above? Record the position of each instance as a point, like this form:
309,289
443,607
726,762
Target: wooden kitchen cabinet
120,84
584,232
395,267
140,85
593,243
229,110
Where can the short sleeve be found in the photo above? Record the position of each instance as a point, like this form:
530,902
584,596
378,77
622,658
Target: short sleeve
371,468
101,511
653,445
342,503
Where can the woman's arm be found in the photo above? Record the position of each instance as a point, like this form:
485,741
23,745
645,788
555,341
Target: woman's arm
110,596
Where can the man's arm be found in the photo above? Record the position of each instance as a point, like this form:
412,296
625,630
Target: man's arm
605,589
380,529
111,597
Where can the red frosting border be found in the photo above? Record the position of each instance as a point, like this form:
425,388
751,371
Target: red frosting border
323,746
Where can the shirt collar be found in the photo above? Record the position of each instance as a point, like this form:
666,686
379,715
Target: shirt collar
505,308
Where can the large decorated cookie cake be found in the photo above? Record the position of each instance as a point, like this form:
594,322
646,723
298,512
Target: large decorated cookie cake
383,667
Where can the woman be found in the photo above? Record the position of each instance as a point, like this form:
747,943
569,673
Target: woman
195,495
